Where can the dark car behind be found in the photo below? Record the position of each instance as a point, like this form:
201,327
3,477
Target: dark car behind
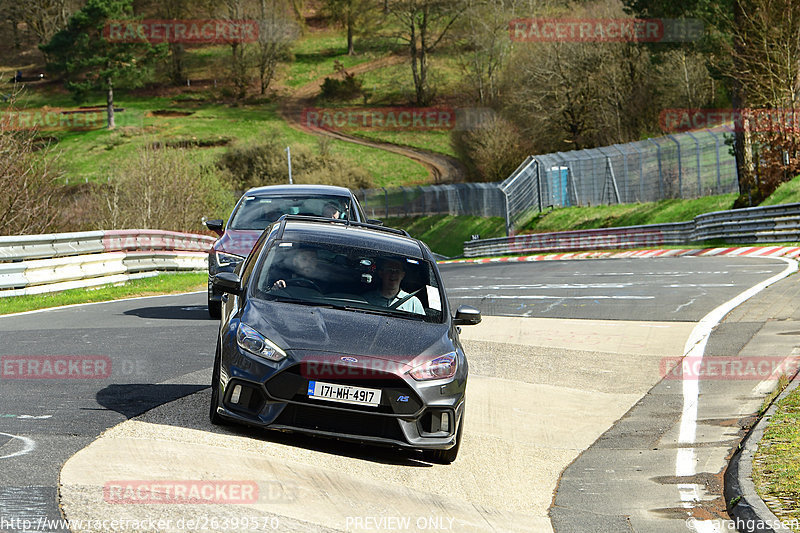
261,206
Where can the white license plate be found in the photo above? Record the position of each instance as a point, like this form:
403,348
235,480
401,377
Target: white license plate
320,390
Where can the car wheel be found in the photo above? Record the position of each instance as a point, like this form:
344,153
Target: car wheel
214,308
213,416
445,457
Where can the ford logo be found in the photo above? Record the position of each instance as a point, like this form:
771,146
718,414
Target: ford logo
349,359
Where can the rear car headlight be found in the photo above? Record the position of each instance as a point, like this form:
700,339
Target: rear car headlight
226,260
254,342
440,367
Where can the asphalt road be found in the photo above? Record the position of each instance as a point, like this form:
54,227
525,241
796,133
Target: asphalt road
140,349
661,289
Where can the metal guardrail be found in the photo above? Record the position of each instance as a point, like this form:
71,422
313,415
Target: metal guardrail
33,264
755,225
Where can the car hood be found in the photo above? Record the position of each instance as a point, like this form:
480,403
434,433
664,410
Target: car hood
237,241
307,332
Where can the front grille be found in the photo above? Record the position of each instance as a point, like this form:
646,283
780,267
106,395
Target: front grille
335,421
396,397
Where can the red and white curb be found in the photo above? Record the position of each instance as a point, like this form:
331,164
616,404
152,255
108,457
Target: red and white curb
753,251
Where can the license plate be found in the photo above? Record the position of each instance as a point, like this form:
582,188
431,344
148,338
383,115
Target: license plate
320,390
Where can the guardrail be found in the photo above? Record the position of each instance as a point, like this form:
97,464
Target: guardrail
34,264
754,225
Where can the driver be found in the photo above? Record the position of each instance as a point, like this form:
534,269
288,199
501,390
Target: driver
306,267
391,272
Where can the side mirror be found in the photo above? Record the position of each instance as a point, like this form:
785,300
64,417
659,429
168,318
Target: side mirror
375,221
466,315
228,282
215,225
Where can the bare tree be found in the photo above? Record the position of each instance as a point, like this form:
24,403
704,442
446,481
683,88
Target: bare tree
29,193
352,14
424,25
485,45
276,33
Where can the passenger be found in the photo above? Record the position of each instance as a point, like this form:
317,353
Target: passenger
391,272
306,267
330,210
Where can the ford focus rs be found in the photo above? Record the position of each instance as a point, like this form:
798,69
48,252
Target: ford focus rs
341,329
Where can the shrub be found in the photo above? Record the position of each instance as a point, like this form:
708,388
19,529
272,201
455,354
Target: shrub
266,163
491,151
29,188
161,189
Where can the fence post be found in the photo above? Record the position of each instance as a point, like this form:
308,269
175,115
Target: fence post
716,145
538,182
660,175
697,147
680,165
507,213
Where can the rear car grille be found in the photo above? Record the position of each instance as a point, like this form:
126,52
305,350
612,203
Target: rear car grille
339,421
396,398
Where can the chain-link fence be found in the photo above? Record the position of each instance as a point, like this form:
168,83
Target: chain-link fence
480,199
686,165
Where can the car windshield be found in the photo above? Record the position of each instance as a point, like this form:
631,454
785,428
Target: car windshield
351,278
256,212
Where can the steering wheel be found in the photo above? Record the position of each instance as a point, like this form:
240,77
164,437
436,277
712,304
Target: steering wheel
303,282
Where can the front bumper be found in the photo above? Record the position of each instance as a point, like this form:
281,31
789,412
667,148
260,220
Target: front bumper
278,401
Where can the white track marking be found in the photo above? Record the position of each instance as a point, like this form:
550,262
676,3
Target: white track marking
28,445
685,460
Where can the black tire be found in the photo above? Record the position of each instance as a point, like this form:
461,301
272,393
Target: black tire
213,416
445,457
214,308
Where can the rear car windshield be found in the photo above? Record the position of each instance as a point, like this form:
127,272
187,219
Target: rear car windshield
256,213
350,278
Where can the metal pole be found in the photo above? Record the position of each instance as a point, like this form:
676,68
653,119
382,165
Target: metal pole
660,175
697,147
289,158
508,215
716,143
680,165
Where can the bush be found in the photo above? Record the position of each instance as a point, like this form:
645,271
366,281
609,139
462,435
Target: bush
161,189
256,165
344,89
491,151
29,189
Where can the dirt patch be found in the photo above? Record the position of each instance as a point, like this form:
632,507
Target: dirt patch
169,113
191,143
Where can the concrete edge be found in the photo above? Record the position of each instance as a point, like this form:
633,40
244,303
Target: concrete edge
750,512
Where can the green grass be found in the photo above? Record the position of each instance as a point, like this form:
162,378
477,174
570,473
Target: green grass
786,193
445,234
316,55
776,465
162,284
87,155
611,216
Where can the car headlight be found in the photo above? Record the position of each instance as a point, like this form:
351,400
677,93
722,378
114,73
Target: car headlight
254,342
226,260
440,367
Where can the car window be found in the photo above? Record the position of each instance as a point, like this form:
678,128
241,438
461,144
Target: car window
351,278
256,212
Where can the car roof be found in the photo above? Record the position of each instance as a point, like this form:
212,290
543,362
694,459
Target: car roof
377,238
286,190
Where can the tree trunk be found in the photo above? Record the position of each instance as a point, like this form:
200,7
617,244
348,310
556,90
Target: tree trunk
110,105
350,48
